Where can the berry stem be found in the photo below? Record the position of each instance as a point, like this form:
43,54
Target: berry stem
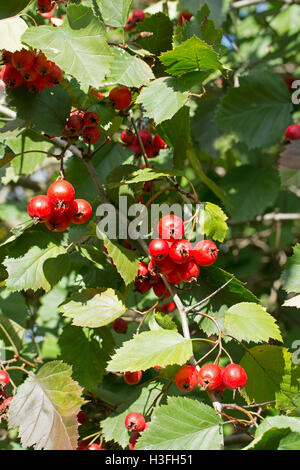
130,112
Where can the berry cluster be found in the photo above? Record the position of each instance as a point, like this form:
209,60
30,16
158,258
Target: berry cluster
293,132
4,400
152,145
135,423
173,257
82,124
35,70
120,97
211,377
138,16
59,207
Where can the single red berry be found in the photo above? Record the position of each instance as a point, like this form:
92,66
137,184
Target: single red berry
37,85
135,422
75,123
210,376
133,440
39,208
189,272
4,378
59,222
135,148
23,59
170,227
187,378
181,251
146,137
44,6
91,119
234,376
82,211
120,97
166,308
293,132
55,76
184,16
159,249
205,253
61,194
174,277
142,285
81,417
138,16
128,137
42,65
11,77
91,135
165,266
159,288
120,325
133,378
30,75
6,56
96,446
158,143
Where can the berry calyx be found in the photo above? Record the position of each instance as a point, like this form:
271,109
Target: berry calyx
82,211
170,227
234,376
159,249
187,378
293,132
181,251
132,378
39,208
4,378
135,422
210,376
61,194
120,326
205,253
120,97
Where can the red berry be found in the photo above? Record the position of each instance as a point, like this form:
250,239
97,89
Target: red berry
293,132
128,137
143,270
120,97
159,249
37,85
23,59
11,77
133,440
39,208
44,6
146,137
61,194
135,422
81,417
4,378
120,325
174,277
221,387
75,123
91,119
91,135
136,149
184,15
210,376
165,266
159,288
138,16
158,143
205,253
130,24
30,75
83,445
234,376
42,65
82,211
181,251
187,378
58,222
170,227
55,76
166,308
142,285
132,378
189,272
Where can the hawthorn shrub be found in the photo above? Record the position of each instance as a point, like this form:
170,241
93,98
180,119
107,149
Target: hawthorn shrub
161,341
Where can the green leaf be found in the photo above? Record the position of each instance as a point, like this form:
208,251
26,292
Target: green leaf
215,225
37,263
45,409
258,111
126,261
291,274
274,432
11,31
149,349
193,54
250,322
47,111
115,13
141,176
11,329
270,376
18,231
13,8
182,424
93,307
138,400
258,188
290,442
78,46
128,70
79,344
162,99
162,28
